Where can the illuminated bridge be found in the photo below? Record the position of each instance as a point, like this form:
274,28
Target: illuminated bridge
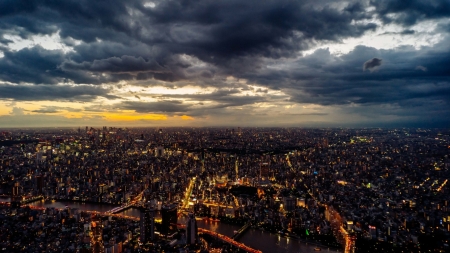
132,203
201,230
241,231
119,209
225,239
106,214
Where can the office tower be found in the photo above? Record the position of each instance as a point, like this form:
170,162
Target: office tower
147,224
16,196
39,184
16,189
264,170
169,219
236,168
97,236
191,230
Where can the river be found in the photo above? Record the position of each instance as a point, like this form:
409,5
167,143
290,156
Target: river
254,238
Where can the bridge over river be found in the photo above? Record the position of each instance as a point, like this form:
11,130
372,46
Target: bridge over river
253,238
241,231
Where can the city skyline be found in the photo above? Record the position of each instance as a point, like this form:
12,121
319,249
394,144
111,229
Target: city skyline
254,189
225,63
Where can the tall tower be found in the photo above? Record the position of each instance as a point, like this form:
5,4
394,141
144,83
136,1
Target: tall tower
236,168
97,236
147,224
169,219
264,170
191,230
39,184
16,196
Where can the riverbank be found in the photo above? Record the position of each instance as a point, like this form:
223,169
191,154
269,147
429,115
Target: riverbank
86,202
265,241
315,242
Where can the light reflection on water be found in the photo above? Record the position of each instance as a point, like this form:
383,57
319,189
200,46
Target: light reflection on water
267,242
257,239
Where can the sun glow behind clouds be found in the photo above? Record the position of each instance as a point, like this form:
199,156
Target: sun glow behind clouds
132,116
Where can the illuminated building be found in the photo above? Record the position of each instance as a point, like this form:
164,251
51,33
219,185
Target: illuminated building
16,196
264,170
97,237
147,224
102,188
236,168
221,182
191,230
169,219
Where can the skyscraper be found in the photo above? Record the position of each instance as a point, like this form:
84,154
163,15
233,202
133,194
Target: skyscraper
169,219
97,236
39,184
264,170
147,224
16,196
191,230
236,168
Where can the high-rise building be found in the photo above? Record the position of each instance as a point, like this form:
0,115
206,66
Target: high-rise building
16,189
16,196
236,168
97,236
147,224
39,184
191,230
264,170
169,219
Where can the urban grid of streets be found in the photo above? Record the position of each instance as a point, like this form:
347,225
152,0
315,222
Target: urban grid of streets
384,189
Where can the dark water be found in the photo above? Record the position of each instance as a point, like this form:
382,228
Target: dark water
71,204
257,239
267,242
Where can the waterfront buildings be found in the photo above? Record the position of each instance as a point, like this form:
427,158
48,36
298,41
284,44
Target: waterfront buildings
169,219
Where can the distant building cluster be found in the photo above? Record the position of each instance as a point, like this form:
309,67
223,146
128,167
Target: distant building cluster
63,230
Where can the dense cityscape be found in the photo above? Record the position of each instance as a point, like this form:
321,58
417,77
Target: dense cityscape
350,190
222,126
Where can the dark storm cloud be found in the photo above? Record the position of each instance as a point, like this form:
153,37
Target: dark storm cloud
407,32
83,93
372,64
233,38
250,28
195,104
37,65
224,98
181,42
404,32
411,11
30,65
331,80
124,64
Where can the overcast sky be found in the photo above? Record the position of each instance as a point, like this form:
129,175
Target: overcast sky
311,63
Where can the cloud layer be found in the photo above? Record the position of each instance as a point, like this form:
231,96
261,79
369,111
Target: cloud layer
248,58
